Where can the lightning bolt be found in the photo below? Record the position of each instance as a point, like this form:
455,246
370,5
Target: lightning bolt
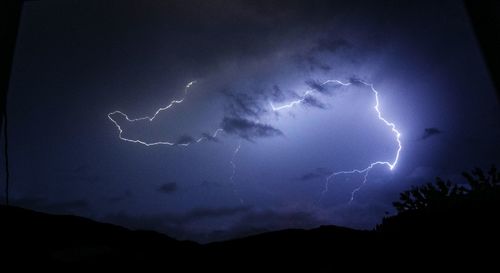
158,111
391,164
231,178
304,96
151,118
233,165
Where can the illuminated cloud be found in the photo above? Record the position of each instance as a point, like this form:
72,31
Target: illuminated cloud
429,132
248,129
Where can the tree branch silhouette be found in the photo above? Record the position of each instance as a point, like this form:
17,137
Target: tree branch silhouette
480,185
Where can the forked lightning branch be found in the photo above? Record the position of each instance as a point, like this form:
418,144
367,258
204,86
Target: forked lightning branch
391,164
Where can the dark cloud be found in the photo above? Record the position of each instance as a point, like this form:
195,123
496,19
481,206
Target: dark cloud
313,102
315,85
209,137
311,59
355,80
314,63
245,104
331,45
277,94
429,132
168,188
310,176
184,139
248,129
317,173
325,89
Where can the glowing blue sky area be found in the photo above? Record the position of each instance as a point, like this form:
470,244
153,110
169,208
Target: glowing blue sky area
78,61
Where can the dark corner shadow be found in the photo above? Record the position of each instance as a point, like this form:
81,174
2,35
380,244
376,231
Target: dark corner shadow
485,20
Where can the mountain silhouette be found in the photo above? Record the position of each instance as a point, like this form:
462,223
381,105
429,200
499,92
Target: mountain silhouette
436,223
43,239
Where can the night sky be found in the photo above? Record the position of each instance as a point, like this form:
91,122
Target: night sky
78,61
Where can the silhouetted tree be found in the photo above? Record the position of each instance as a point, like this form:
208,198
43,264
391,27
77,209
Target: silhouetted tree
479,181
481,185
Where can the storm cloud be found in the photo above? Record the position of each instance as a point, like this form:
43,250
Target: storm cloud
248,129
317,86
313,102
210,137
185,140
168,188
331,45
429,132
314,174
246,104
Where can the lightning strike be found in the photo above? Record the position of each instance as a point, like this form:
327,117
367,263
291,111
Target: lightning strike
233,164
151,118
304,96
391,164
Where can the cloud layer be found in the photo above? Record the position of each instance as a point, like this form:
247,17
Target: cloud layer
248,129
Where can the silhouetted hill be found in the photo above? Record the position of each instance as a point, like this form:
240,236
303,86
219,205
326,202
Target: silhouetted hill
417,237
63,239
46,238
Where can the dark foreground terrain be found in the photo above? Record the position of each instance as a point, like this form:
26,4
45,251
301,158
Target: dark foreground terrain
455,236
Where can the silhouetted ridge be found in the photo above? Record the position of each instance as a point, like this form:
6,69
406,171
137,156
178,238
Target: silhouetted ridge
434,221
